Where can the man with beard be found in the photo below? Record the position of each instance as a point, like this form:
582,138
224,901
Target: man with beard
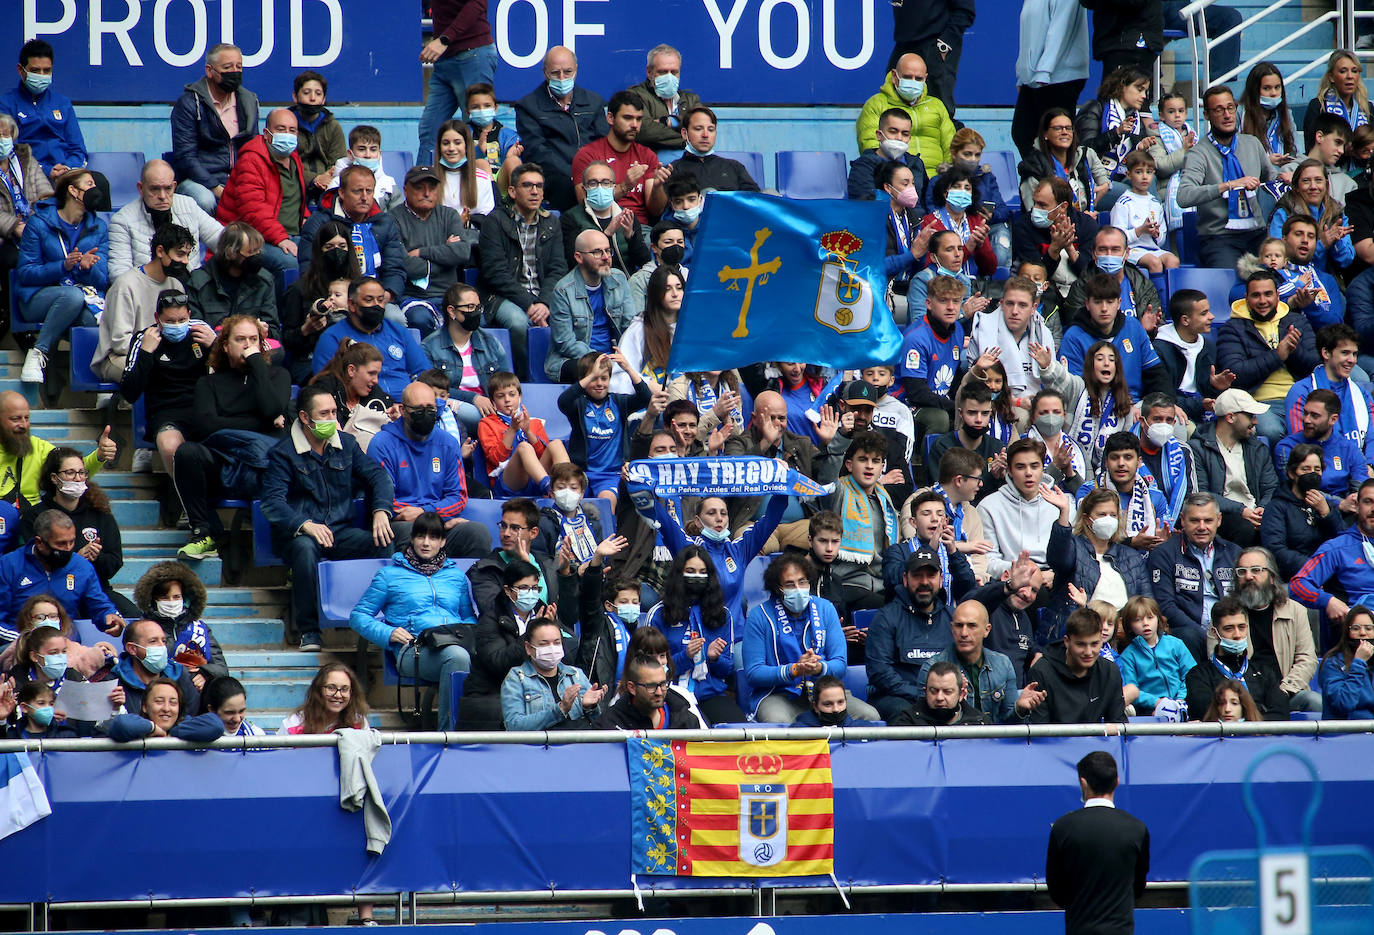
1344,466
639,177
22,455
1280,637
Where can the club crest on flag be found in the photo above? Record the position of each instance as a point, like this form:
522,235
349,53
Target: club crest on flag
762,824
842,302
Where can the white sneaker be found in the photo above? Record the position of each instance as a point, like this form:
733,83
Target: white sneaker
35,362
143,461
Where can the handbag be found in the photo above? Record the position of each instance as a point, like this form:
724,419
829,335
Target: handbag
367,420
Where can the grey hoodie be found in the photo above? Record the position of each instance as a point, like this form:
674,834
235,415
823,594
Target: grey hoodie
1013,523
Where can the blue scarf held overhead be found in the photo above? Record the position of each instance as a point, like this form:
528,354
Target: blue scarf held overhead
1238,207
713,477
858,542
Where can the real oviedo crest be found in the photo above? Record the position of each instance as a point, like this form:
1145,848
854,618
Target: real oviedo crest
844,302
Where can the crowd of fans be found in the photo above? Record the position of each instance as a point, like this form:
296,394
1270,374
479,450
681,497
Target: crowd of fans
1067,500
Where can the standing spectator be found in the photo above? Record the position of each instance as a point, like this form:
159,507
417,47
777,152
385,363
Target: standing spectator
1347,689
63,271
1127,34
462,53
211,121
1341,92
374,237
904,88
133,226
889,145
599,211
590,308
468,353
666,105
319,298
934,31
321,139
1051,64
1265,114
1081,686
699,155
132,301
557,119
1301,516
403,358
1192,571
1280,634
1235,465
22,186
1099,856
267,189
1232,659
438,245
1093,555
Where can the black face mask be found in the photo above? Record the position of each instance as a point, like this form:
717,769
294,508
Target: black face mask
160,217
941,715
974,432
371,316
672,254
694,587
421,423
832,718
229,81
1311,481
310,111
177,271
251,266
336,260
471,322
95,200
56,558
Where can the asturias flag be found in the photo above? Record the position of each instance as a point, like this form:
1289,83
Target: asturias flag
758,809
779,279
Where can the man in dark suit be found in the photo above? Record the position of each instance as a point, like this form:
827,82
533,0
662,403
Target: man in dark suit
1098,856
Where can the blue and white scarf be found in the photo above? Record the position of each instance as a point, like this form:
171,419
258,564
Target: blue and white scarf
812,625
1004,432
193,639
1272,136
15,182
1140,508
1172,141
955,514
520,435
1113,115
703,395
1240,213
1076,465
1174,483
1357,405
901,227
1351,114
713,477
1091,432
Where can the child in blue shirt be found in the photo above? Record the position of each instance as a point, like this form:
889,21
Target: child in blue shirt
600,439
1154,666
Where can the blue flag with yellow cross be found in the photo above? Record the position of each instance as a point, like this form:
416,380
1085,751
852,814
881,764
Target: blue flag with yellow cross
782,279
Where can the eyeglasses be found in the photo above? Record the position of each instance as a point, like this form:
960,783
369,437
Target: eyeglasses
653,686
531,186
978,478
1361,629
599,183
1250,571
337,691
600,252
416,410
74,474
469,307
1222,109
510,527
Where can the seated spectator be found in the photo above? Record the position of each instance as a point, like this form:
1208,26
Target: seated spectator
1093,554
1013,328
1300,516
960,479
422,597
321,138
1232,660
240,412
334,701
966,152
909,631
62,273
720,398
686,200
234,284
375,237
24,187
162,713
267,189
30,570
227,699
600,439
904,88
517,532
351,377
521,260
171,594
824,532
211,121
1080,687
1235,465
639,177
318,298
829,707
158,204
1345,465
666,105
1139,298
365,151
908,240
1167,460
1018,515
1311,198
132,301
972,413
307,497
42,611
22,454
930,358
426,470
944,702
567,485
470,355
499,143
1192,571
952,196
1339,347
789,640
32,714
648,338
667,247
1054,234
1155,665
888,145
1231,703
515,445
465,184
1330,143
402,356
1099,400
1341,558
590,308
1280,634
599,211
1058,153
946,258
621,612
554,121
699,156
1066,465
1188,356
146,657
1111,124
45,118
648,704
1103,320
1300,286
1143,217
42,656
1347,691
65,487
545,693
438,247
766,435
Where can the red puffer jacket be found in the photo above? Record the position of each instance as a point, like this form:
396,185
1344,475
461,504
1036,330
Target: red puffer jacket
253,192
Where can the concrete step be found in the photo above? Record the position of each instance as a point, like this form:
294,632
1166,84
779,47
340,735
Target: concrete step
246,603
281,693
133,514
248,633
130,485
45,417
276,659
208,570
167,539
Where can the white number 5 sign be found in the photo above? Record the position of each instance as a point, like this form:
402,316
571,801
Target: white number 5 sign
1285,894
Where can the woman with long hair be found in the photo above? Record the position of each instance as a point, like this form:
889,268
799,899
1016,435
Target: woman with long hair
467,177
1310,195
351,377
44,611
1232,703
333,701
1100,399
1341,92
649,337
1347,689
319,297
1111,124
1265,114
1058,153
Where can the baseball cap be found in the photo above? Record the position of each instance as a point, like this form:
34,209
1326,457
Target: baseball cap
420,173
861,393
922,558
1234,400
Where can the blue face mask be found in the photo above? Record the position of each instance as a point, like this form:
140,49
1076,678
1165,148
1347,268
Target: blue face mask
628,613
1111,265
482,116
665,86
600,198
373,164
6,147
526,601
283,144
910,89
561,86
795,599
42,716
176,332
715,535
37,83
454,165
1040,218
1271,103
55,666
155,658
958,199
689,216
1234,647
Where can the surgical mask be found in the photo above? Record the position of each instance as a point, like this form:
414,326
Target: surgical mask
694,584
230,81
1049,426
909,89
1040,217
665,86
176,331
689,216
1270,103
1309,481
715,535
672,254
600,198
283,144
371,316
482,116
55,666
1104,527
421,423
702,153
324,428
42,716
958,199
796,599
154,658
75,489
449,164
373,164
561,86
1111,265
566,499
37,83
6,147
907,197
628,613
527,600
169,608
548,657
1159,434
1234,647
831,718
892,149
54,622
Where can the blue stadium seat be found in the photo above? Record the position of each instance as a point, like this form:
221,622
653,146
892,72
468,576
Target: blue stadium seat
538,349
1186,240
1161,284
856,681
263,554
747,725
541,399
123,170
1214,283
863,618
17,324
83,378
811,174
753,592
750,160
486,512
502,335
455,694
668,156
88,634
342,584
397,164
288,276
1003,166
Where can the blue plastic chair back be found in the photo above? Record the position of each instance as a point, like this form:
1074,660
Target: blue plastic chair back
123,170
396,164
541,399
263,554
537,346
1003,166
856,682
863,618
341,586
1214,283
140,425
1187,241
83,378
502,335
750,160
486,512
88,634
754,592
811,174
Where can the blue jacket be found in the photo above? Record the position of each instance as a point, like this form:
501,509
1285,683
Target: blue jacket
570,317
44,247
202,151
76,586
406,598
298,486
1347,693
720,672
123,728
48,124
770,648
402,356
1072,559
863,171
1344,467
1137,353
426,474
1348,424
1342,558
135,688
528,704
488,356
1161,672
1293,531
1054,42
997,691
900,643
730,557
1177,579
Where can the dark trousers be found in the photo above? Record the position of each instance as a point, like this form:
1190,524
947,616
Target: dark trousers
941,72
196,469
1032,102
1236,528
303,555
720,709
1221,251
1195,638
1143,60
466,540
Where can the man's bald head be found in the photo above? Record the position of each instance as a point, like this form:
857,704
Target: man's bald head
14,424
281,120
418,394
10,402
157,184
592,253
560,62
770,412
590,240
971,612
911,65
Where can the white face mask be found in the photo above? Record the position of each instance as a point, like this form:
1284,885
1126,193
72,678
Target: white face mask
75,489
1104,527
892,149
548,657
566,499
1159,434
170,609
